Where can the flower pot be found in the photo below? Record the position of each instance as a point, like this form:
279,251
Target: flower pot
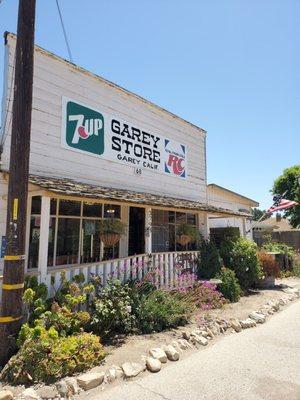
267,282
109,239
183,239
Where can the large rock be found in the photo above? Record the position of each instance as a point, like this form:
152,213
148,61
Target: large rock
112,374
6,395
247,323
62,388
234,323
186,335
132,369
184,344
153,364
175,344
274,304
90,380
29,394
159,354
197,339
257,317
72,385
47,392
171,352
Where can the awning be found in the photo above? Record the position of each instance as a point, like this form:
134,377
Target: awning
68,187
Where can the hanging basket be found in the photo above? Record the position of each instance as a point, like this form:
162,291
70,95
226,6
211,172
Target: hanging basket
183,239
110,239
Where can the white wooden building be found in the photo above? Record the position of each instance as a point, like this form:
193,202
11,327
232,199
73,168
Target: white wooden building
99,151
222,197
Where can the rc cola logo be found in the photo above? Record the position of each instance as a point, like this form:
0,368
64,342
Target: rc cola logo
84,128
175,159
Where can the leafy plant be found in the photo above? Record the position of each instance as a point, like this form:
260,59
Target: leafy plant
111,225
46,357
160,310
242,258
276,247
209,262
230,287
111,311
269,266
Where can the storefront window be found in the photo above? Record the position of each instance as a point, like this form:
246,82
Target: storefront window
67,241
112,211
90,241
165,225
69,207
92,210
74,232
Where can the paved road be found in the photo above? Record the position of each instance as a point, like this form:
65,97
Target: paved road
260,363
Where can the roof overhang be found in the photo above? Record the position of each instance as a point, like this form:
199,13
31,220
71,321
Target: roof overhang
70,188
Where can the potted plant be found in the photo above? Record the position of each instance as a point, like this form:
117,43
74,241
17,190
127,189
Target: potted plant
187,234
270,269
111,230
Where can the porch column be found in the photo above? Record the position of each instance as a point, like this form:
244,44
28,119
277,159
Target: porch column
203,225
44,237
148,230
124,238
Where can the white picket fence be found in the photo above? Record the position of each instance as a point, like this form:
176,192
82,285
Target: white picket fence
170,270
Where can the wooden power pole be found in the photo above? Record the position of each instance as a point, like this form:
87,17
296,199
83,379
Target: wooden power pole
13,274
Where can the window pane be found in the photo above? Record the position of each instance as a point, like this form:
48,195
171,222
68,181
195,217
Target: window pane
34,239
92,210
180,218
90,241
191,219
67,241
53,204
157,217
51,241
172,217
69,207
160,238
112,211
172,241
36,205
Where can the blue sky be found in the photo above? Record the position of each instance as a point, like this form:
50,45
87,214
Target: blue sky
232,67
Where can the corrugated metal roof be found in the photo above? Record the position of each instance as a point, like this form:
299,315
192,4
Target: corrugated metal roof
69,187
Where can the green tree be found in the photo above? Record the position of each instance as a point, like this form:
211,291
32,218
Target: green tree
289,182
257,214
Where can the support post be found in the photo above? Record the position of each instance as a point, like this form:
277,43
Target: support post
44,238
148,230
14,259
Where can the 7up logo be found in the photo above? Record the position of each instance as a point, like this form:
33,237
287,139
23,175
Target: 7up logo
83,128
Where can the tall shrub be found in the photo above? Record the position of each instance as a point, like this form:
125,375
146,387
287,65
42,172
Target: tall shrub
230,287
209,262
242,258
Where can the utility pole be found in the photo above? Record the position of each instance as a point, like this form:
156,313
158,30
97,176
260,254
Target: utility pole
14,259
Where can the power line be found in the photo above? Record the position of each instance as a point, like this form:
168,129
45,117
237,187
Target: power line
64,31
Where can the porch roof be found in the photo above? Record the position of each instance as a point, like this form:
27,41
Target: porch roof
69,187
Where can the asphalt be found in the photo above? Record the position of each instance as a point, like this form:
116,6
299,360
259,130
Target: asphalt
261,363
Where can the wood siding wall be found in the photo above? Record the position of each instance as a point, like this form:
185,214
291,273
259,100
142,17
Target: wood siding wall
54,78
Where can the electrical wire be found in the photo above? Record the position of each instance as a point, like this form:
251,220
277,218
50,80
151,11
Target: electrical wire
64,31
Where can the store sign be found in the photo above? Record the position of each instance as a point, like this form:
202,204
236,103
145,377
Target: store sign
90,131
